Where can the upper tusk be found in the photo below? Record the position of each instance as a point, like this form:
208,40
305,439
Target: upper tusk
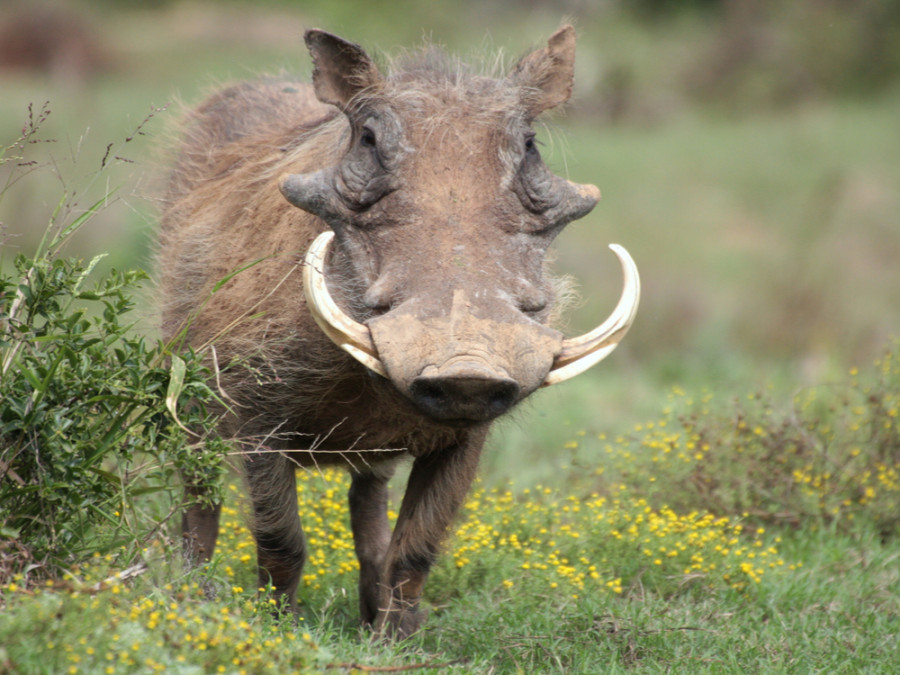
348,334
580,353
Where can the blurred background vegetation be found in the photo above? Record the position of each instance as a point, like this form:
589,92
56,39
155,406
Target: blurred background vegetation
747,151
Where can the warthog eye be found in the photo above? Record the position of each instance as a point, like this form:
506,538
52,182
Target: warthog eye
367,138
365,173
535,185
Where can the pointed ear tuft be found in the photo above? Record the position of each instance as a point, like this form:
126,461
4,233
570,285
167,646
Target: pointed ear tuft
341,69
547,74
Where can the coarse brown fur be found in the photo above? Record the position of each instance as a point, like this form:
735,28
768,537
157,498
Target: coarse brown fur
439,250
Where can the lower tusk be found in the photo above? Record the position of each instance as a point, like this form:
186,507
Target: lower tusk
580,353
348,334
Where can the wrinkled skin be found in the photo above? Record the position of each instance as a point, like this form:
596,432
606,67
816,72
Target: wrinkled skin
442,211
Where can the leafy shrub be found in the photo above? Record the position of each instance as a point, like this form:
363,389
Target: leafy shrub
92,417
829,457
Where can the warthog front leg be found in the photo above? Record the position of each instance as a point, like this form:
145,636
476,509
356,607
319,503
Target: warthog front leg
437,487
371,534
280,545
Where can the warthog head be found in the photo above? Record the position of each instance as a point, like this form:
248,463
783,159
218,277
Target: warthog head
440,212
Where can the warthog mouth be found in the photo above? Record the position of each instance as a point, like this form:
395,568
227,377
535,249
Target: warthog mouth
576,355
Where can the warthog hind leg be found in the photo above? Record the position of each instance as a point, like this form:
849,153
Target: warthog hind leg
199,528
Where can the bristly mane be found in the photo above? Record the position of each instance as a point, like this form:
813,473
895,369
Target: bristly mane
430,77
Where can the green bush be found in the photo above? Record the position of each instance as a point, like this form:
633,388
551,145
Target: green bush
93,418
829,457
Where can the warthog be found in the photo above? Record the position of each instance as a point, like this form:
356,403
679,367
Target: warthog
419,312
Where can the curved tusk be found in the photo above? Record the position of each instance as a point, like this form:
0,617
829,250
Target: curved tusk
580,353
348,334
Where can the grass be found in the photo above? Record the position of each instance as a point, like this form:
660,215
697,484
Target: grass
631,567
809,601
720,496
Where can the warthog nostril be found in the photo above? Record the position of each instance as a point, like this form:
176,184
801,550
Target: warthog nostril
504,397
430,394
475,399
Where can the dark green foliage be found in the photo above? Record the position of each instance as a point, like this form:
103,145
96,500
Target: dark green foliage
92,416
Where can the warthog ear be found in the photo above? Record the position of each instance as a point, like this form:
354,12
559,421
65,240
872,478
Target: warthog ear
341,69
548,74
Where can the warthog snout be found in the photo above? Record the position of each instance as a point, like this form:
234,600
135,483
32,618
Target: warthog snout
463,393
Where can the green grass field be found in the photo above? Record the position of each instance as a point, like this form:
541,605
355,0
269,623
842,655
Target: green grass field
720,496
